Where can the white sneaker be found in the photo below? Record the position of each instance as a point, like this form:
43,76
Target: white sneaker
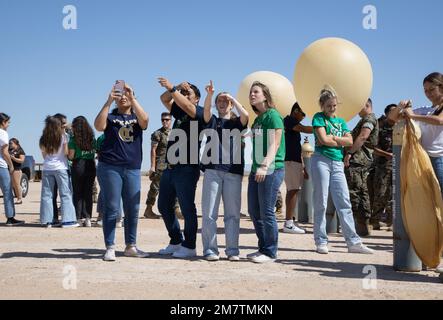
290,227
322,249
99,223
109,255
88,223
70,225
234,258
212,257
252,255
262,258
119,224
133,252
170,249
360,248
183,253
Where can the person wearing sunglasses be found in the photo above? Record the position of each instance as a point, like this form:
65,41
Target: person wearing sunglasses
159,146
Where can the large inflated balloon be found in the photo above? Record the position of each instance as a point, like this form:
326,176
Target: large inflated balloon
339,64
281,89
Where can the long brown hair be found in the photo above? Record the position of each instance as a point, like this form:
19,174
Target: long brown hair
52,135
83,134
435,78
266,93
19,147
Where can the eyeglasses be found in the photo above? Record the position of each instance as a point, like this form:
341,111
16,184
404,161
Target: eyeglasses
166,120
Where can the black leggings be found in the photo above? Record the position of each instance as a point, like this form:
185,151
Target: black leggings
83,177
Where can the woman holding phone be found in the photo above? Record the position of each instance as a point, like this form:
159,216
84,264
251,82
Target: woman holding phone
17,157
118,169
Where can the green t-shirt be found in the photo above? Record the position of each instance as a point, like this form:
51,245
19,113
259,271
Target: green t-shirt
271,119
333,126
81,154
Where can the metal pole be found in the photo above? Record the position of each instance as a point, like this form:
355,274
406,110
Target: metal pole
305,209
405,258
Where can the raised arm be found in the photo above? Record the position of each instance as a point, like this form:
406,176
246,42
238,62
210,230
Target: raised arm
208,102
181,101
102,117
244,115
142,116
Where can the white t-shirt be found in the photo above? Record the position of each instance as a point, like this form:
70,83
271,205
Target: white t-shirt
4,139
56,161
431,135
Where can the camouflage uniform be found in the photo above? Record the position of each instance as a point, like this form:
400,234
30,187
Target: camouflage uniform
160,139
358,172
382,178
279,205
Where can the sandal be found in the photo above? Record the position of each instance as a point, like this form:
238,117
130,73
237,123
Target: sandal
19,202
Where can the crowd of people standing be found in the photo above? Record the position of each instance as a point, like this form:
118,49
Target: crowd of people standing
354,168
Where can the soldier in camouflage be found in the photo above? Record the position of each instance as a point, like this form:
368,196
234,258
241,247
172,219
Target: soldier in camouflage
358,161
159,144
381,181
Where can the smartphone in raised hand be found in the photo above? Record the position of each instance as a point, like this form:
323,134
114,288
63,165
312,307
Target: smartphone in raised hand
119,87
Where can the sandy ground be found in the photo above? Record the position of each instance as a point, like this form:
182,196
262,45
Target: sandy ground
39,263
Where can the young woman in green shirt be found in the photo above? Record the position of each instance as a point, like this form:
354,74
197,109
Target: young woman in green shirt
331,136
267,172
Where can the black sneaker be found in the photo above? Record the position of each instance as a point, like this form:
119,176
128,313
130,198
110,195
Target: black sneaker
12,222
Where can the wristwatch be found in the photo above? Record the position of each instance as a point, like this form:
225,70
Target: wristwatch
174,88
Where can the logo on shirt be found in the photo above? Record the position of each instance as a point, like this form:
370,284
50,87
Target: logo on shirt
126,134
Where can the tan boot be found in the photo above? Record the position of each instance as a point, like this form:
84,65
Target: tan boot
149,214
178,213
279,214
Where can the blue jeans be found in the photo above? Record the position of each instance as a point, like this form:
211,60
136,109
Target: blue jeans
179,182
437,164
328,176
49,179
262,198
118,183
101,206
8,197
216,185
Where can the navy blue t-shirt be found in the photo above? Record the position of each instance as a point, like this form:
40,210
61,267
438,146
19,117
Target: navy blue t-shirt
293,140
122,145
189,136
230,153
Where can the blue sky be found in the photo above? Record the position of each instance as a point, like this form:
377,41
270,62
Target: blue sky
46,69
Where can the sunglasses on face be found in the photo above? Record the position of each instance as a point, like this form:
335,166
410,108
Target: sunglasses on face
163,120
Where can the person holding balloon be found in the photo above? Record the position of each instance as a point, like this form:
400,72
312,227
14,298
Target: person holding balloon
331,136
430,120
267,173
